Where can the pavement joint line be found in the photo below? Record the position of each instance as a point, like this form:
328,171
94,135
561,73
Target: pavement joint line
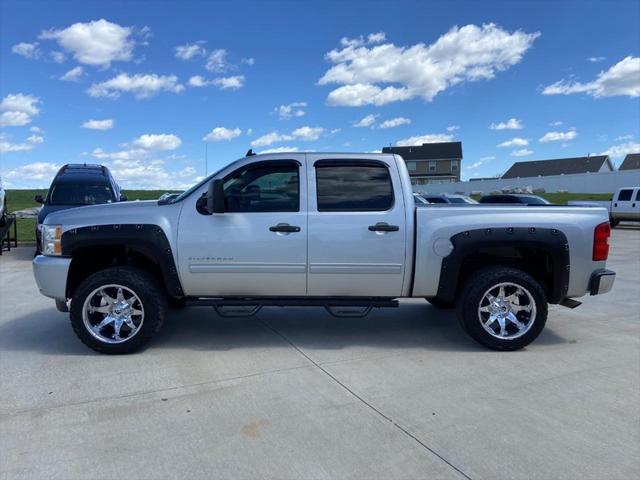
148,392
363,401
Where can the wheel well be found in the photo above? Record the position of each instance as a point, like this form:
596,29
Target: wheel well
536,262
89,260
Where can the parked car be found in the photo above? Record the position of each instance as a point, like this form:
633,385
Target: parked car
3,205
624,206
77,185
448,198
515,198
419,199
309,229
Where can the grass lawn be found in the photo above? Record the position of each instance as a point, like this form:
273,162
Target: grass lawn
21,199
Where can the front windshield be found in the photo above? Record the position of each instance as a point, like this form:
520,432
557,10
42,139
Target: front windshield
533,200
80,194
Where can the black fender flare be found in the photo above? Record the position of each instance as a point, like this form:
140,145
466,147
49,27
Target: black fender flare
550,240
146,239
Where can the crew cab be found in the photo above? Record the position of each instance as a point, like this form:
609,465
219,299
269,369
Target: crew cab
339,230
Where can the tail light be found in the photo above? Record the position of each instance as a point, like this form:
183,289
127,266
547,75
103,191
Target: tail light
601,236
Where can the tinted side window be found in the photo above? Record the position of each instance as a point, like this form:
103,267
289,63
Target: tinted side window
625,195
637,195
263,188
437,200
353,188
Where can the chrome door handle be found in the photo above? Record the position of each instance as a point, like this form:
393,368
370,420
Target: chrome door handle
383,227
285,228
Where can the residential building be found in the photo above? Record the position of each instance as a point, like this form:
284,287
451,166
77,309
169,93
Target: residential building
560,166
631,162
431,163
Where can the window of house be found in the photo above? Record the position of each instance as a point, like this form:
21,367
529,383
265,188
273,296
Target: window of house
411,166
454,165
432,165
353,187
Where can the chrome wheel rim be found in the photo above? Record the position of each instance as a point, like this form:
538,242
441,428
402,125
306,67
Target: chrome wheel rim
507,311
113,313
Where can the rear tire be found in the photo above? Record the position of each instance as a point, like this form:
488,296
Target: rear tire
502,308
118,310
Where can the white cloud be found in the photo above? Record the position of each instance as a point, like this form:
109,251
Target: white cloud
35,129
511,124
140,85
233,83
34,171
57,57
305,134
280,150
367,121
198,81
558,136
27,50
429,138
555,124
295,109
376,37
308,134
6,146
474,165
98,42
465,54
487,158
123,155
73,75
623,137
622,79
595,59
395,122
151,174
190,50
523,152
248,61
515,142
106,124
453,128
18,109
619,151
217,61
161,141
219,134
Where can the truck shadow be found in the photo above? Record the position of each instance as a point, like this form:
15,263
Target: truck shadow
408,327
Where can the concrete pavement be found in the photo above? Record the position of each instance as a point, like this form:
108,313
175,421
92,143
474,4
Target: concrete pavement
295,393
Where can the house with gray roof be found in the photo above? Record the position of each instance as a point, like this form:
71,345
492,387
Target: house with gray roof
431,163
631,162
560,166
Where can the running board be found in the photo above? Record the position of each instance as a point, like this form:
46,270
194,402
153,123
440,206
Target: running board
247,307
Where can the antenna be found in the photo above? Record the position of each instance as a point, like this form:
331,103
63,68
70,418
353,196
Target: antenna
250,153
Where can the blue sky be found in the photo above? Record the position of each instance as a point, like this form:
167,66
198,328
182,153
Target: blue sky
142,87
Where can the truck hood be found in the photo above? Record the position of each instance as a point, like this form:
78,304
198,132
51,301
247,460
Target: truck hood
107,213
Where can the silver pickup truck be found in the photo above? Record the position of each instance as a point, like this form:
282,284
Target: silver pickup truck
339,230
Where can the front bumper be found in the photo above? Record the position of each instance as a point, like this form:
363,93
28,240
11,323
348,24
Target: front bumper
51,275
601,281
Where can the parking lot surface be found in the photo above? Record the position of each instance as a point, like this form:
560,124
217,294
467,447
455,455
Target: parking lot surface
295,393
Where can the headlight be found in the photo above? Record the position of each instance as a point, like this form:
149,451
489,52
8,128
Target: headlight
51,235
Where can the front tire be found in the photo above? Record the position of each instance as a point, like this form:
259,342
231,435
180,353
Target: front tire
118,310
502,308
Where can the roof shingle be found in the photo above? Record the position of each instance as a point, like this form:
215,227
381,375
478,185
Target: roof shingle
558,166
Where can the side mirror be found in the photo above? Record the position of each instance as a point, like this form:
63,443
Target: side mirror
215,197
123,198
38,199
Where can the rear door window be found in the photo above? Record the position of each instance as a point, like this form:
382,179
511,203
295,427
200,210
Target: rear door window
353,187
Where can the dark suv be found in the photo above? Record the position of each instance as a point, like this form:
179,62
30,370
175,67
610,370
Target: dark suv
76,185
514,198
